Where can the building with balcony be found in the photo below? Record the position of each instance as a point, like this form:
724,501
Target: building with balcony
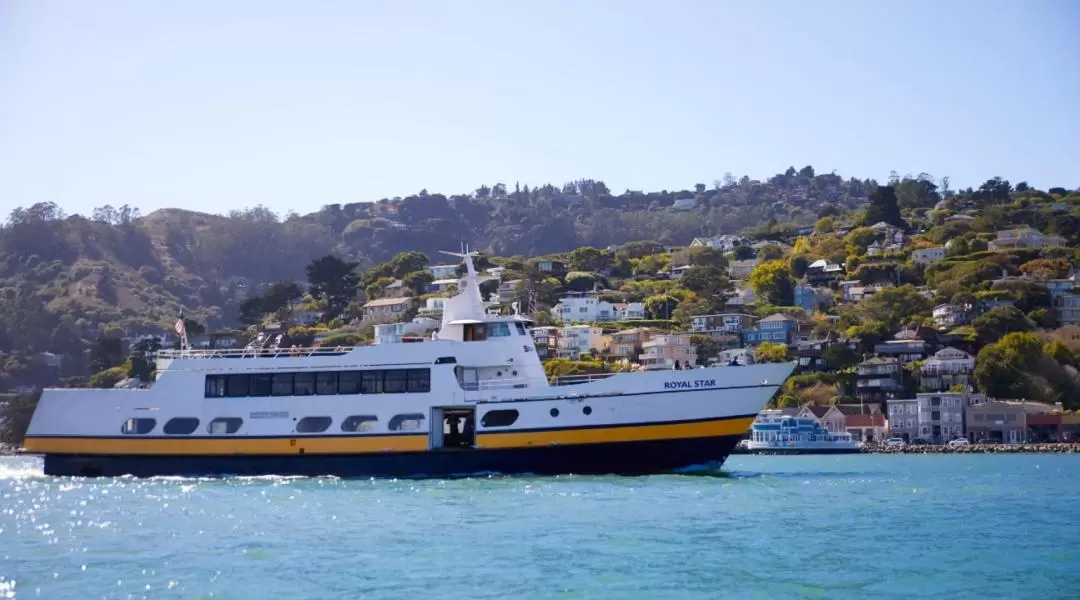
905,346
628,343
1025,237
546,340
587,307
724,324
947,316
778,328
903,418
878,378
386,309
948,367
575,340
1065,300
941,415
821,272
661,351
443,271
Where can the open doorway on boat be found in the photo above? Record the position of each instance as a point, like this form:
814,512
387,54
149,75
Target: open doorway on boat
453,427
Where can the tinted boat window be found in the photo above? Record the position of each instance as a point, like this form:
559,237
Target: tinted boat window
181,426
520,328
326,383
419,380
349,382
499,418
359,423
303,384
372,382
313,424
236,386
262,385
282,385
224,425
396,381
498,330
138,426
215,386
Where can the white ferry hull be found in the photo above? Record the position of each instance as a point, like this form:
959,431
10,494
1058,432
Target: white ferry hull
634,423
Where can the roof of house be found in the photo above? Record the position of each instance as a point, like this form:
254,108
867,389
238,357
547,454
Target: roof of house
386,302
777,317
819,411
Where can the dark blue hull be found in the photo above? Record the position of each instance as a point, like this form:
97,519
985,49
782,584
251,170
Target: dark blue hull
621,458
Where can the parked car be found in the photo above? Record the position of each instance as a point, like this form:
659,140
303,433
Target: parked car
959,442
895,442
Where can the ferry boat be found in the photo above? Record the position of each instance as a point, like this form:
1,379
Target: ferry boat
773,432
472,400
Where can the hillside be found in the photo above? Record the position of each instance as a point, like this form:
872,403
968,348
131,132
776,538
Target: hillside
67,281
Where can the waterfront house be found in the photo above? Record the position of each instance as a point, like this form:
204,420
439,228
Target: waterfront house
628,342
575,340
1053,427
941,414
948,367
829,416
661,351
1002,421
903,418
864,422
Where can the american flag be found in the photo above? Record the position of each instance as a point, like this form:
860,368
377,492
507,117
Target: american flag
179,327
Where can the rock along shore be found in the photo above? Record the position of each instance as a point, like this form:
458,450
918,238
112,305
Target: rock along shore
973,449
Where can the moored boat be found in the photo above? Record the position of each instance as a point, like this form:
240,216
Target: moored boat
773,432
474,399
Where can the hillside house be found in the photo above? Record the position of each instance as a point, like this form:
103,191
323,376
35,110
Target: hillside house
829,416
661,351
1025,237
926,256
776,328
386,309
723,243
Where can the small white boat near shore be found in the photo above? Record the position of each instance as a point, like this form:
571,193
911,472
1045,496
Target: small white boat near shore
775,433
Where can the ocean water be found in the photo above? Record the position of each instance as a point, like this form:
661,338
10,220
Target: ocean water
862,526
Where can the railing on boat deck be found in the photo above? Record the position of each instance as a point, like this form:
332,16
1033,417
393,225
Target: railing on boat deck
502,384
576,379
253,352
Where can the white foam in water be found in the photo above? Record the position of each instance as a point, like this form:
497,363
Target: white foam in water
21,468
7,588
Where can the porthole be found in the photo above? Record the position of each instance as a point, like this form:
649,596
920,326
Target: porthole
313,424
224,425
587,410
359,423
406,422
515,373
554,412
138,426
499,418
498,373
181,426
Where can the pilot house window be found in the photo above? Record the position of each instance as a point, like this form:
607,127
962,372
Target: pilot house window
475,332
498,330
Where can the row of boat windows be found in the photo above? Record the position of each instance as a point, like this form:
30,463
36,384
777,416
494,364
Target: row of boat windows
352,424
319,383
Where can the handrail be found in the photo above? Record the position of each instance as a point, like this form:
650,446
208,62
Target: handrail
254,352
503,384
584,378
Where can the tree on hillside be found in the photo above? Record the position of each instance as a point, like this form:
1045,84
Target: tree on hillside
407,262
771,352
997,322
770,252
333,281
892,306
661,306
884,206
772,283
709,283
1047,268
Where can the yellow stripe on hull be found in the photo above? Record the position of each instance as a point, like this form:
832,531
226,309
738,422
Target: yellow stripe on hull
240,445
601,435
233,445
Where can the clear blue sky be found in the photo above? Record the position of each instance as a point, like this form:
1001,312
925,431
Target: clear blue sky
216,105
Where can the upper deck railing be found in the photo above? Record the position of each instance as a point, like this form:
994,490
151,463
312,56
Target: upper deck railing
576,379
193,353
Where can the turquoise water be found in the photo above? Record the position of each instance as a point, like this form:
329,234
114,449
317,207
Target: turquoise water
863,526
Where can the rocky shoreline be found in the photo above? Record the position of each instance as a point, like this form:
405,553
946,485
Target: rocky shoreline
974,449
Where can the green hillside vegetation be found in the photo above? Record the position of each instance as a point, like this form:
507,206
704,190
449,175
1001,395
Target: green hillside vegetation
71,284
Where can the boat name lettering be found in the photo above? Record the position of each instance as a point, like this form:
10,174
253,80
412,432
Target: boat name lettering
272,414
689,385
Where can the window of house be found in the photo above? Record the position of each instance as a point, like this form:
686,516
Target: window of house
303,384
371,382
326,383
138,426
181,426
359,423
313,424
406,422
224,425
